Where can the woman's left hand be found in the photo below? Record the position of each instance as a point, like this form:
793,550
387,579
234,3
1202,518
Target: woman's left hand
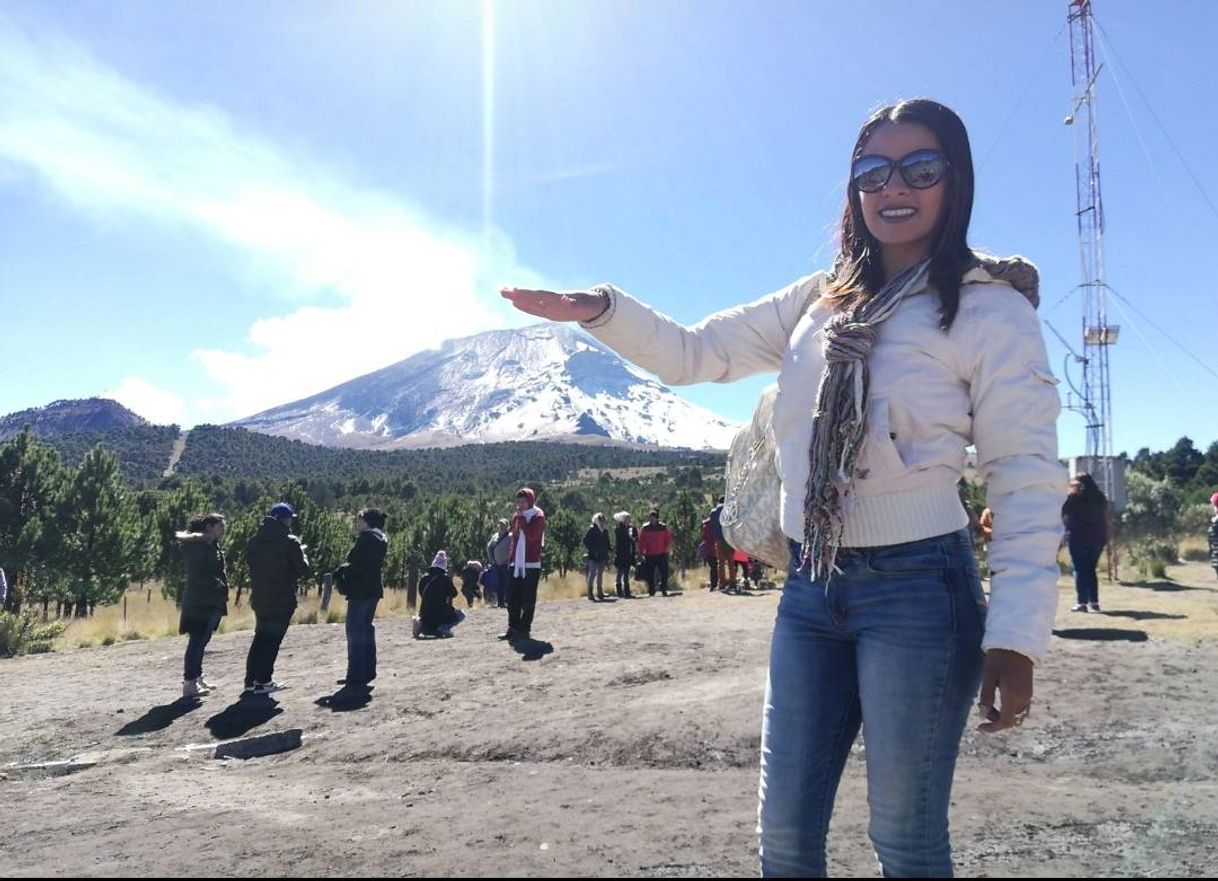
1010,673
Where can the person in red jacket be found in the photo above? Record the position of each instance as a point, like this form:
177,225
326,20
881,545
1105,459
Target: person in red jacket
655,540
528,529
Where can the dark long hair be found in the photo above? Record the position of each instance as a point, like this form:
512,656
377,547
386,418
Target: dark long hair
857,272
203,522
1089,495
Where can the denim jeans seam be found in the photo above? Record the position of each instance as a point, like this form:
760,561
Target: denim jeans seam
938,724
826,809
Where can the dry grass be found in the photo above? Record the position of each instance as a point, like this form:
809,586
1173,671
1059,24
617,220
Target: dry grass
1195,549
147,615
1182,607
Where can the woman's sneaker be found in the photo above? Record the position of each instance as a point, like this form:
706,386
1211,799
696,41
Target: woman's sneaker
266,687
191,689
1079,607
203,683
1095,607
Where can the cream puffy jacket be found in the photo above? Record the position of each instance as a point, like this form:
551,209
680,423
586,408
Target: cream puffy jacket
986,382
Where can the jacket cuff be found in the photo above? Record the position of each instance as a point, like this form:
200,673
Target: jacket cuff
986,646
609,292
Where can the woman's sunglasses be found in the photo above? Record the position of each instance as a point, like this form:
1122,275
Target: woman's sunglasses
921,169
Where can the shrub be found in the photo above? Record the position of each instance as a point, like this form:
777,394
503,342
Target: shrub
26,635
1152,557
335,617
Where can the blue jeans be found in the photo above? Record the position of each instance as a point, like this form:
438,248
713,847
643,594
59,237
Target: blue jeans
1085,558
361,641
891,644
197,643
269,630
596,575
447,629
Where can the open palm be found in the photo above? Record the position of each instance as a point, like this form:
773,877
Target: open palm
570,306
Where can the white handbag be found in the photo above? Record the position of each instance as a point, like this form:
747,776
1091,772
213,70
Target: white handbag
750,517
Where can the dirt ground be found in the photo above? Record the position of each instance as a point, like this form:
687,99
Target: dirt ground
627,745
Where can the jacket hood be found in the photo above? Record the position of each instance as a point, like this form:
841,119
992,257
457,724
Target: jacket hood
377,534
1015,272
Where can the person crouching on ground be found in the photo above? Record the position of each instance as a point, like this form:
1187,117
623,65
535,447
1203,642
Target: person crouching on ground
205,597
528,529
360,581
437,615
277,561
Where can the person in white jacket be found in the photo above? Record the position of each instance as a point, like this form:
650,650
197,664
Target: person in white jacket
911,349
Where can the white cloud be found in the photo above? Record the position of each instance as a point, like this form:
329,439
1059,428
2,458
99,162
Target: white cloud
154,404
402,281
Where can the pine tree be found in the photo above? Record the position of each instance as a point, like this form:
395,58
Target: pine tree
686,531
32,481
100,529
567,538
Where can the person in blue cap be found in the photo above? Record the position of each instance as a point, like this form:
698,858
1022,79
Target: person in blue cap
277,561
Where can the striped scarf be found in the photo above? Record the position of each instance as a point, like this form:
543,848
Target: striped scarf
839,423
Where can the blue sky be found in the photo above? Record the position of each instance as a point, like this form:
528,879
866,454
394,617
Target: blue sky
210,209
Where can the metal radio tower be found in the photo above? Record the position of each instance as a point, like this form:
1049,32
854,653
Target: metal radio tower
1098,334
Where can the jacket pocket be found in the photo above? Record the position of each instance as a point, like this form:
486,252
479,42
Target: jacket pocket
1043,374
879,456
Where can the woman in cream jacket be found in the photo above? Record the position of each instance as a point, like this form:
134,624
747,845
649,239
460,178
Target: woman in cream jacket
910,350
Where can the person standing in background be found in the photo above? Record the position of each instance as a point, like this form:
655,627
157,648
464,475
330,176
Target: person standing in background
360,580
277,562
499,553
1085,516
655,541
204,598
528,529
626,537
596,543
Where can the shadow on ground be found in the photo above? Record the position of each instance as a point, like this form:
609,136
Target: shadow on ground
250,711
1102,634
159,718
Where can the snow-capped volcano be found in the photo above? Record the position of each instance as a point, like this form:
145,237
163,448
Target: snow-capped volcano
543,382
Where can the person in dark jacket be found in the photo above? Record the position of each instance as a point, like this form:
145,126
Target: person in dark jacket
1214,533
469,581
1085,517
488,581
499,553
359,580
596,543
625,538
204,598
707,545
437,615
277,561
